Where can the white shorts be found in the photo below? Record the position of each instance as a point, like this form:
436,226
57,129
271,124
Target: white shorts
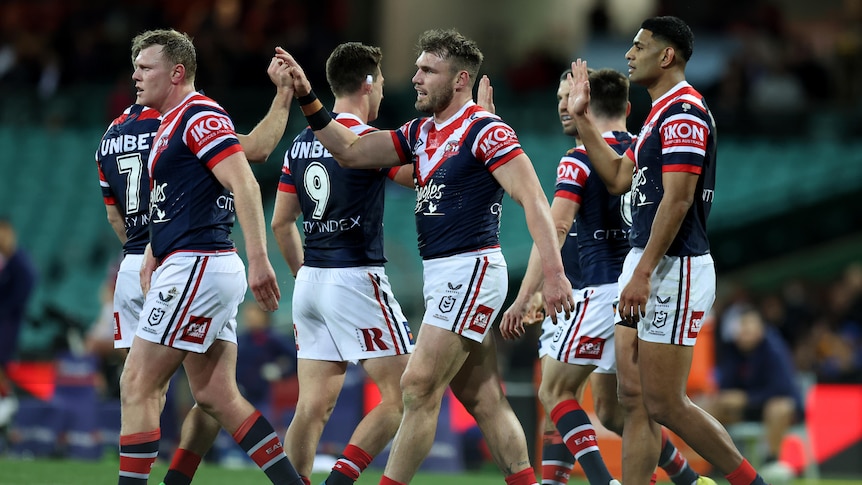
464,293
587,337
193,300
128,300
347,315
681,294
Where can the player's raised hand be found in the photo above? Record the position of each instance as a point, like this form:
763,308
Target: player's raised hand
263,284
301,85
279,73
485,95
579,89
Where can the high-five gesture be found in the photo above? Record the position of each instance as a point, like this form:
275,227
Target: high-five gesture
579,89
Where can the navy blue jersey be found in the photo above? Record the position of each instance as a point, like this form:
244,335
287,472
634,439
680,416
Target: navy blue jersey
602,227
190,209
342,208
122,163
678,136
458,201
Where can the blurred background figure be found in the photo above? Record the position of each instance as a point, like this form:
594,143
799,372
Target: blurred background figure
17,280
264,356
757,380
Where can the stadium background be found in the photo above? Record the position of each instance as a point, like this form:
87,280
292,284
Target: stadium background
783,78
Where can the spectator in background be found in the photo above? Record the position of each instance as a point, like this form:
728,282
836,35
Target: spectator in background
17,280
756,379
263,356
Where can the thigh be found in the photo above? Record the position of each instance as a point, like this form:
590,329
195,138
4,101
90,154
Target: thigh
626,346
386,372
559,378
464,293
149,367
437,358
193,301
320,382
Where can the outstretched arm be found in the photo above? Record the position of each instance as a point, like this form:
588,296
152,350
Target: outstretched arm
263,139
614,170
372,150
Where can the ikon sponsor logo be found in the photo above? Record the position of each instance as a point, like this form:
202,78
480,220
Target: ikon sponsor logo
497,138
694,324
570,171
481,319
590,348
210,127
684,132
196,330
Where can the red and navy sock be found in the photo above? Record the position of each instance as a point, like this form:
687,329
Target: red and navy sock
674,463
258,439
138,452
580,437
348,466
557,460
745,474
526,476
183,467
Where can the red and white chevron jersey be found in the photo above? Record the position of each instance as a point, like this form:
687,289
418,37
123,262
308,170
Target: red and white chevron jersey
458,201
190,209
678,136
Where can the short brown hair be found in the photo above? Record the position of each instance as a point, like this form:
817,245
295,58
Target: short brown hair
177,48
452,45
348,66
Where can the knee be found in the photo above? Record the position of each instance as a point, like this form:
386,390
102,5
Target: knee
548,397
417,390
610,414
629,396
135,388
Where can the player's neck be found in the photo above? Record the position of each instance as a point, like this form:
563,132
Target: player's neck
665,83
353,106
605,125
176,96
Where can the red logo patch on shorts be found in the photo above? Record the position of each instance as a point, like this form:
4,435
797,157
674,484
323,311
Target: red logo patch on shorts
196,330
590,348
695,324
481,319
118,335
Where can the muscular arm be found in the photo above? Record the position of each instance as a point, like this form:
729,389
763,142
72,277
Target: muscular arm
284,217
614,170
117,222
563,212
404,176
235,174
519,180
263,139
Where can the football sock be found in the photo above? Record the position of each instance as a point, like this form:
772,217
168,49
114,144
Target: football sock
138,452
580,437
557,460
745,474
259,441
674,463
384,480
526,476
183,467
349,465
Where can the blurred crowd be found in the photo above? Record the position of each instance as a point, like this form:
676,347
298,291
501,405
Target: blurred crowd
781,64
